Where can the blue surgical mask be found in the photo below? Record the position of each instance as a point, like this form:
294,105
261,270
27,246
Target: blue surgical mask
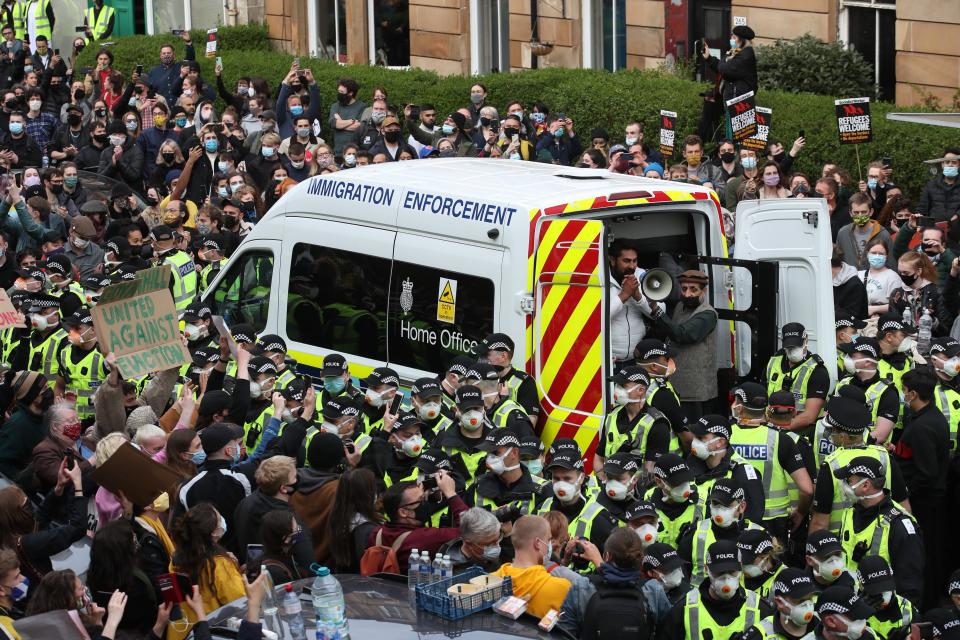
132,102
448,129
948,172
236,458
222,166
558,133
876,260
224,192
267,151
199,457
334,386
733,43
872,183
296,110
181,122
535,467
538,117
27,68
20,590
515,156
749,162
16,128
211,146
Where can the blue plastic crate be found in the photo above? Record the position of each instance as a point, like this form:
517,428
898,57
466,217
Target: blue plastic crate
434,598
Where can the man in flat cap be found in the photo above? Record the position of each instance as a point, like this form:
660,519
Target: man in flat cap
691,330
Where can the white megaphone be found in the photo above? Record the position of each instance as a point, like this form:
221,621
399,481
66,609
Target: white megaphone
656,284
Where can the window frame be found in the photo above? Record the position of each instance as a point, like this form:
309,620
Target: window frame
843,31
242,257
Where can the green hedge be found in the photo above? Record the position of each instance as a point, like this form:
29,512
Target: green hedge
590,98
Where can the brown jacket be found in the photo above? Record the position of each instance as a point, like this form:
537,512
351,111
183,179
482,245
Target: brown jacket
47,457
313,503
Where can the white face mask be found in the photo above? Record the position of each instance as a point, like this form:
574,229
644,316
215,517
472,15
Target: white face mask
855,628
907,345
701,449
616,490
647,534
796,354
724,516
412,446
497,464
329,427
949,368
725,586
375,398
673,579
194,332
801,614
621,396
680,493
566,492
753,570
472,420
830,569
429,410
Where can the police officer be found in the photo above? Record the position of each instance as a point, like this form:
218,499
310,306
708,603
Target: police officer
760,564
452,378
392,456
498,349
607,509
337,382
675,497
198,328
794,597
847,420
383,385
657,359
82,366
41,351
774,456
712,458
429,464
826,561
340,419
98,21
662,563
65,287
11,337
846,327
719,606
263,378
879,590
860,362
632,426
463,443
532,454
427,400
591,485
794,368
245,338
945,362
507,482
879,526
727,504
211,252
502,410
642,517
93,287
843,615
565,491
896,345
183,282
274,347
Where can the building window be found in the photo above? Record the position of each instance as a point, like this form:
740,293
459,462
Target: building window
614,25
869,26
489,36
332,29
389,32
243,294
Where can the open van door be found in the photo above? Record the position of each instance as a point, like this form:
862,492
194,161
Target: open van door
568,327
794,233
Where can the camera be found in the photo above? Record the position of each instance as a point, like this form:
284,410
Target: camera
429,483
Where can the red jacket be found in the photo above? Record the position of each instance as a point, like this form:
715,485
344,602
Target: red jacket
422,538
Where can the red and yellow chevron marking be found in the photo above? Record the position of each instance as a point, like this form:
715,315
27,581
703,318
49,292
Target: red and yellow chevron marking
563,261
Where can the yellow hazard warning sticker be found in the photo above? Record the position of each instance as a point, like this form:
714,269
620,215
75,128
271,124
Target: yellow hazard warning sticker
447,300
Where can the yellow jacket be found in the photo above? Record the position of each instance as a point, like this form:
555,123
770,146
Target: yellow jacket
227,586
535,584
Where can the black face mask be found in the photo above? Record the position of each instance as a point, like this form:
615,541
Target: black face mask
690,303
46,399
229,220
74,119
908,280
422,513
11,105
778,158
56,189
485,122
152,200
391,136
101,138
728,157
168,157
510,132
343,98
79,94
100,113
248,207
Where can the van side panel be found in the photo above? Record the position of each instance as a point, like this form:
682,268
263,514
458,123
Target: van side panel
567,327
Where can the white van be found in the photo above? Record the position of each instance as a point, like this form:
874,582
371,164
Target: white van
411,263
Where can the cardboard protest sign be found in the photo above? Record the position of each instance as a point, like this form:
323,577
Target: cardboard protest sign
9,316
138,322
758,141
742,112
668,132
137,475
52,624
853,120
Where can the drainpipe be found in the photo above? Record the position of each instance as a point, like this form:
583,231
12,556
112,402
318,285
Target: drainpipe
534,32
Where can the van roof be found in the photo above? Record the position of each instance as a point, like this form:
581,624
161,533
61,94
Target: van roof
525,185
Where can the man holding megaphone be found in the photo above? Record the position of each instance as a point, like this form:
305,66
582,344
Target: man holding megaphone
689,328
627,304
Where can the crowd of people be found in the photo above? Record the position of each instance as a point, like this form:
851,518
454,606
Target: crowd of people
791,509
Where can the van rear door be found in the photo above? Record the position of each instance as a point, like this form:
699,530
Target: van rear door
568,327
794,233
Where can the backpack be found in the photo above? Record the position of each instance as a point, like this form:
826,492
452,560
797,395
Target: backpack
617,612
381,559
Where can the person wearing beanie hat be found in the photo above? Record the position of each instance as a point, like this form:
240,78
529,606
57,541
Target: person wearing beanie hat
796,369
633,427
29,392
654,170
845,423
453,129
317,485
739,71
877,525
122,159
861,364
773,455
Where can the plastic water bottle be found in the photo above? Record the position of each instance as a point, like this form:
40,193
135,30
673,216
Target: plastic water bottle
447,568
925,332
437,567
329,607
907,316
291,612
269,609
426,571
413,570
